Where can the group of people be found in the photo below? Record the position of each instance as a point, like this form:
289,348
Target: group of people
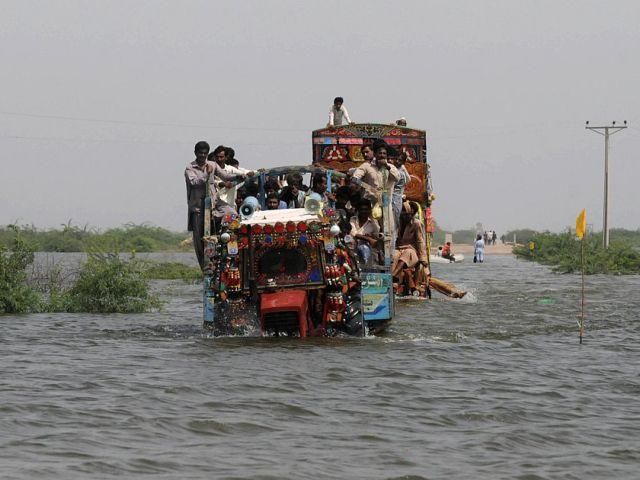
490,237
357,198
383,173
221,172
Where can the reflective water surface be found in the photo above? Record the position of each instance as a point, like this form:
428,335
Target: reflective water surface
491,386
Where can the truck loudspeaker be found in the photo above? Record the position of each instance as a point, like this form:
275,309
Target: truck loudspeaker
313,203
249,207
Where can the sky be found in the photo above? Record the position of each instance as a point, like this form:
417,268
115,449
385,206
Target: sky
103,101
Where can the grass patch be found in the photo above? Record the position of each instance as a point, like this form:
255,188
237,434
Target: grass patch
172,271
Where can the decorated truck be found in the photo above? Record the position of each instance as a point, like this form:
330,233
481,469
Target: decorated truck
294,271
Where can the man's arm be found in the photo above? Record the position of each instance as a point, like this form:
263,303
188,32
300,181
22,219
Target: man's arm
346,114
194,177
331,117
224,175
393,172
405,174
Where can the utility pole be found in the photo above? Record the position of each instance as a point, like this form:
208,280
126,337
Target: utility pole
606,131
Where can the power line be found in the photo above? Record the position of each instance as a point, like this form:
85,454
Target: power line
149,124
141,142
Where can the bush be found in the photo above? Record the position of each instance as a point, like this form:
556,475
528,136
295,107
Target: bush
172,271
72,238
109,284
16,296
562,252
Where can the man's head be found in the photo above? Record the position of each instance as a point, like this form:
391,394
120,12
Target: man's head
241,194
381,152
400,159
392,154
295,187
367,152
319,183
220,155
294,180
201,150
343,195
272,202
270,187
337,102
231,153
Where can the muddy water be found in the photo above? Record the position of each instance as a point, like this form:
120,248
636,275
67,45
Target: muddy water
492,386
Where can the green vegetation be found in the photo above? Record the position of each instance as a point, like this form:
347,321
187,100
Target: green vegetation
105,284
16,296
632,237
72,238
109,284
562,251
172,271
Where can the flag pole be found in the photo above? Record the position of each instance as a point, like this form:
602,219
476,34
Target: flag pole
581,233
582,297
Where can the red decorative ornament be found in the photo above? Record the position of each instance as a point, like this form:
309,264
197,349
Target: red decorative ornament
279,227
302,226
291,227
268,229
244,229
244,242
256,229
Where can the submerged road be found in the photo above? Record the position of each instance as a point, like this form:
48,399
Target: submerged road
491,386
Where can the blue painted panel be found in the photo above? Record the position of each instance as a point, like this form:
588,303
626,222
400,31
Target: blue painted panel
208,308
377,296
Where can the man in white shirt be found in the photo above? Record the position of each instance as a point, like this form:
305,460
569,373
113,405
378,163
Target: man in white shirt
227,190
338,114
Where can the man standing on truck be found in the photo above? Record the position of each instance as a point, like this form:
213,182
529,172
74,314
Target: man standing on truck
377,173
338,114
227,190
198,175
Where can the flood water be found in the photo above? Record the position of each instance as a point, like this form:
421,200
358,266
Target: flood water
493,386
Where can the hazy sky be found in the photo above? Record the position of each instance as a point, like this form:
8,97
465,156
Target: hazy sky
103,101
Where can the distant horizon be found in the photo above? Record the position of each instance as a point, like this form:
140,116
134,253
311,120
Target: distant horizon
100,229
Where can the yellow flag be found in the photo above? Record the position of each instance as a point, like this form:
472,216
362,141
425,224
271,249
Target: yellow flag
581,224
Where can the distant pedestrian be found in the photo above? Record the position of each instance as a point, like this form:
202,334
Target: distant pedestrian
478,250
494,237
